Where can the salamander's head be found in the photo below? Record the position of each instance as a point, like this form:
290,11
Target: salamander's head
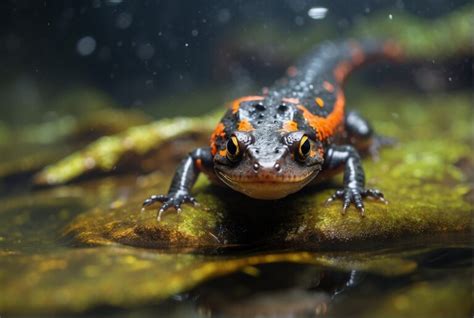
268,163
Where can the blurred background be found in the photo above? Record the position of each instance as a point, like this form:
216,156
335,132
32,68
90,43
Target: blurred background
136,52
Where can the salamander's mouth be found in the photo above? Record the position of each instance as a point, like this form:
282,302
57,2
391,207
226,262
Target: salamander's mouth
266,186
264,178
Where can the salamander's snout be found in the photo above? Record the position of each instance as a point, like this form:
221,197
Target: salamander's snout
267,160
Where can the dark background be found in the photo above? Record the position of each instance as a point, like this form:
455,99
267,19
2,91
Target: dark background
144,49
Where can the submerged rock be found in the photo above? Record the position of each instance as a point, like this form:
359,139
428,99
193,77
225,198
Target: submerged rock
78,279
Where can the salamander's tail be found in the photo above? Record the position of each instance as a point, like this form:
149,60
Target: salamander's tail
341,57
355,53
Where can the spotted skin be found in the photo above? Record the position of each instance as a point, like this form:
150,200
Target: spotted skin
295,133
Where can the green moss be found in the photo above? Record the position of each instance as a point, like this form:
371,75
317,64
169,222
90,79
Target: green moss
106,152
448,36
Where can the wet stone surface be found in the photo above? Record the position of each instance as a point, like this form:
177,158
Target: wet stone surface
427,192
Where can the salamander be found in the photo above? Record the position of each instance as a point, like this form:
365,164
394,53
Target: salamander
295,133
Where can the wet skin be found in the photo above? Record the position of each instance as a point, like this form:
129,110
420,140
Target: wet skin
296,133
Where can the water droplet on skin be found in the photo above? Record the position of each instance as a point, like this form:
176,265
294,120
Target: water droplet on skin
390,16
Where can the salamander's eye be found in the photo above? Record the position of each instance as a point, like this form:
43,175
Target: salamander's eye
304,147
233,149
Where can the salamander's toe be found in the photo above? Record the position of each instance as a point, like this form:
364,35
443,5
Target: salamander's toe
355,196
375,194
153,199
172,200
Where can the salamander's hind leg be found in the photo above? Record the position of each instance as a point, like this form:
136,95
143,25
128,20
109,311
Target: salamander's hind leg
362,136
354,190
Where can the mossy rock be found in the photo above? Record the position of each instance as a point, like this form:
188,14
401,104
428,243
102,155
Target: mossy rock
424,177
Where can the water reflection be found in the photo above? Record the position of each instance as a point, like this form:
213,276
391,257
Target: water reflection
275,290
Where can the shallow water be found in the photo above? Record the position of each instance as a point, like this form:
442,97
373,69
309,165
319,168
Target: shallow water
82,248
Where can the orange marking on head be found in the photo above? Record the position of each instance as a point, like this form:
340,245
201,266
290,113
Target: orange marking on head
358,56
312,153
289,126
236,103
290,100
342,70
328,86
291,71
198,164
218,132
223,152
319,101
326,126
245,125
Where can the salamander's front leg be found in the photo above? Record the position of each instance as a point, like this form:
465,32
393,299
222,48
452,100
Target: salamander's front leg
183,180
354,179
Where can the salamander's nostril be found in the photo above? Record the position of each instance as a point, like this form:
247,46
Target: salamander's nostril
277,167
